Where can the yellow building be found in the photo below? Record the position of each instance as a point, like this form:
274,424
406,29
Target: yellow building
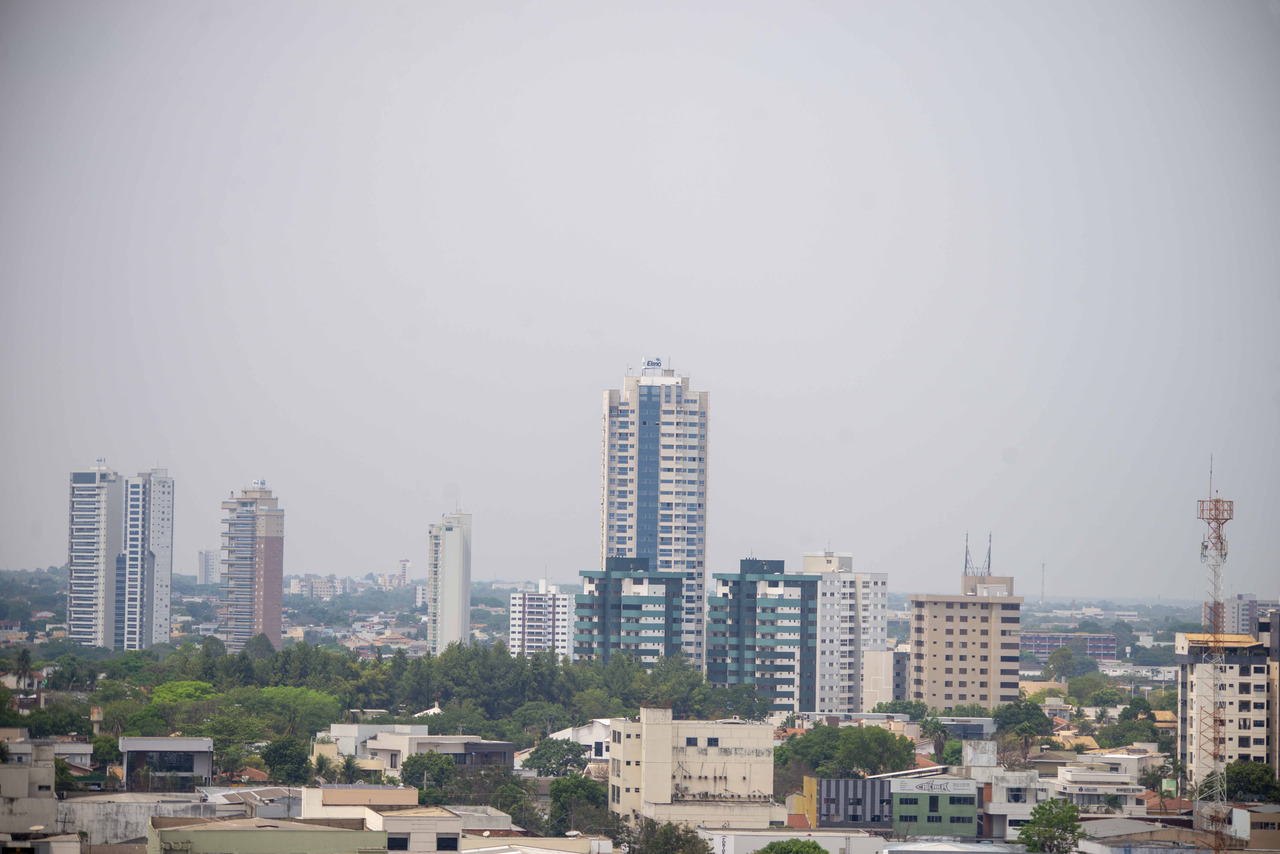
964,649
700,773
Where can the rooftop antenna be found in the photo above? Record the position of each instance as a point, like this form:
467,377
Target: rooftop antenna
1212,814
969,568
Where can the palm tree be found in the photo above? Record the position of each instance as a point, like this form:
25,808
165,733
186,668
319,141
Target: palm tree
24,670
350,770
935,729
324,767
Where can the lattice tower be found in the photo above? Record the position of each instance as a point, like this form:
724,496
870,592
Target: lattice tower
1211,808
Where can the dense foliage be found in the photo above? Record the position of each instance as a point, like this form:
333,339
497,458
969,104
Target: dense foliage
1054,827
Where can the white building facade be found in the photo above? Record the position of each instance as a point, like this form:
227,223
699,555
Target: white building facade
449,582
120,558
541,621
653,501
853,619
208,567
95,530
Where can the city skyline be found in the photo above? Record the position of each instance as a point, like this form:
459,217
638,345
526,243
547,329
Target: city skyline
940,274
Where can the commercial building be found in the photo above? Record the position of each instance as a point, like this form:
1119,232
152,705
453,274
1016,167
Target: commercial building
119,558
541,622
174,764
626,607
449,582
935,806
653,502
965,648
252,565
708,773
208,567
1247,728
866,804
1041,644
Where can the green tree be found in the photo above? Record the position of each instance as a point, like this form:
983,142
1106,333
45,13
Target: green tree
427,770
569,796
953,753
181,692
914,708
1251,781
1009,716
649,837
1106,697
555,757
106,750
63,780
873,750
323,767
1062,663
349,771
792,846
934,729
970,710
287,759
1054,828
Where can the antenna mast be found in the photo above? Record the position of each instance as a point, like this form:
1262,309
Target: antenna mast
1212,814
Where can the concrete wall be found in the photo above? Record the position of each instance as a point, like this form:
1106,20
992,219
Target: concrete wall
111,821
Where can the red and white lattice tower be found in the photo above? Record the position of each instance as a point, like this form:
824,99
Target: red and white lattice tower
1211,810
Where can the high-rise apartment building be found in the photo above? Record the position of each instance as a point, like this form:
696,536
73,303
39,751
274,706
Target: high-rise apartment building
965,648
798,637
96,530
1242,613
762,629
119,558
208,566
403,575
146,580
626,607
853,623
653,502
541,621
1248,680
449,581
252,565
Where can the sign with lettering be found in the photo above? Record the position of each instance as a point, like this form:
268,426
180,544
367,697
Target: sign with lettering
934,786
653,363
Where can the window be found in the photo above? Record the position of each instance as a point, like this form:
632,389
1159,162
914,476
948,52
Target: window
908,818
713,742
908,801
397,842
962,799
691,742
961,819
935,819
446,843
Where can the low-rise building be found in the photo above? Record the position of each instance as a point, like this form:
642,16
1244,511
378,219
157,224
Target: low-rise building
351,801
261,836
935,806
693,772
26,792
174,763
1095,789
392,748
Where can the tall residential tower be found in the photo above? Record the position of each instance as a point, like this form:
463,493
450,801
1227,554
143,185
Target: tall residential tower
653,501
252,565
449,582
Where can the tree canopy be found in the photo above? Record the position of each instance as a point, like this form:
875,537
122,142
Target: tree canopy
1054,827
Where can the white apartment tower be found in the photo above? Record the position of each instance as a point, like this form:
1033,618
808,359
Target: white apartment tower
541,621
208,566
142,614
449,582
853,621
653,501
119,558
93,546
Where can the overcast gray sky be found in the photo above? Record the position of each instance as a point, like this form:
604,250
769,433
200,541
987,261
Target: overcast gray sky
1008,267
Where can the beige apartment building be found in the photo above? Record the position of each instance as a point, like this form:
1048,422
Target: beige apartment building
699,773
964,649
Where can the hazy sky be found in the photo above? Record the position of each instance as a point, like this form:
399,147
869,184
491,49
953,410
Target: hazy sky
1008,267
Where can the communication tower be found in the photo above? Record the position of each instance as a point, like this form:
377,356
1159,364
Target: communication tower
969,568
1212,814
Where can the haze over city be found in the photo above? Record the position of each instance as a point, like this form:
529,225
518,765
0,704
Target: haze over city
943,269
